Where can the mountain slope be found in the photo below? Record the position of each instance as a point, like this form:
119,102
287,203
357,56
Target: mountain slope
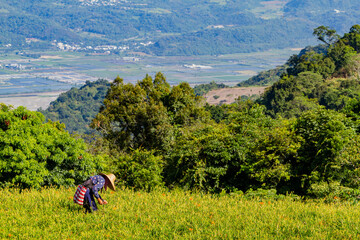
176,27
77,107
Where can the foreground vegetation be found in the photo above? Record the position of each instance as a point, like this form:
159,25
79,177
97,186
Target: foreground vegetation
50,214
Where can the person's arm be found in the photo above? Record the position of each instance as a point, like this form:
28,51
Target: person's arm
99,183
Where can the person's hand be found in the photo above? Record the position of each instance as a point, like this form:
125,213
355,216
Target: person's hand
102,202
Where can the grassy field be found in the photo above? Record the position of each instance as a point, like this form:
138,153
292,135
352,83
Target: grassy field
51,214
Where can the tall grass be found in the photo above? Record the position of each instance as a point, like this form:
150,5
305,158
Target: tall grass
51,214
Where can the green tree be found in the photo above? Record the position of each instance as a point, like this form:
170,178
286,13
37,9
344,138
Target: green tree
292,95
201,157
134,116
324,134
139,169
311,61
184,107
145,114
247,150
268,148
326,35
35,154
341,54
353,37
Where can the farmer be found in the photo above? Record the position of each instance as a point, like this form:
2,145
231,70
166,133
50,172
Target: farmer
89,190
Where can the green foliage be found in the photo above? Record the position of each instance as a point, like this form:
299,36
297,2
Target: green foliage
134,115
272,155
140,169
201,158
353,38
290,96
34,154
202,89
324,135
218,112
77,107
250,150
184,107
268,145
326,35
341,54
264,78
144,114
313,62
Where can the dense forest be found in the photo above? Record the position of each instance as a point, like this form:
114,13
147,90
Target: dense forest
77,107
301,136
170,27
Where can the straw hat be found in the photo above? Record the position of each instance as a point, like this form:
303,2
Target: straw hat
111,179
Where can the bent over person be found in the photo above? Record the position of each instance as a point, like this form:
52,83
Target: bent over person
87,192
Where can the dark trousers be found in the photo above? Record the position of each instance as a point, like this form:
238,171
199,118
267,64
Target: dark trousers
89,202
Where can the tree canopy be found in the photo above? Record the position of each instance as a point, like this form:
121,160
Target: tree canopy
35,154
147,113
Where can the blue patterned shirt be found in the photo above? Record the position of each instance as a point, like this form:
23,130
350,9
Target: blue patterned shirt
99,182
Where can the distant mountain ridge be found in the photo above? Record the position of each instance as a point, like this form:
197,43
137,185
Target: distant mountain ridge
162,27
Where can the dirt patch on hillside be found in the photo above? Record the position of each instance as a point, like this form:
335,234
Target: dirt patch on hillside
228,95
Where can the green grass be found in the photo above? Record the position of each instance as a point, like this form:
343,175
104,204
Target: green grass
51,214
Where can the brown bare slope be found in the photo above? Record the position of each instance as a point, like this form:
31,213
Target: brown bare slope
228,95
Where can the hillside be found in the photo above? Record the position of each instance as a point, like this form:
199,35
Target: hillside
229,95
167,27
77,107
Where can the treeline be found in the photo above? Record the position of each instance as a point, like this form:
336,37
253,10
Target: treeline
264,78
315,78
202,89
301,136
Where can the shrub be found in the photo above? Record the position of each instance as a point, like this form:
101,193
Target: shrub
34,154
140,169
